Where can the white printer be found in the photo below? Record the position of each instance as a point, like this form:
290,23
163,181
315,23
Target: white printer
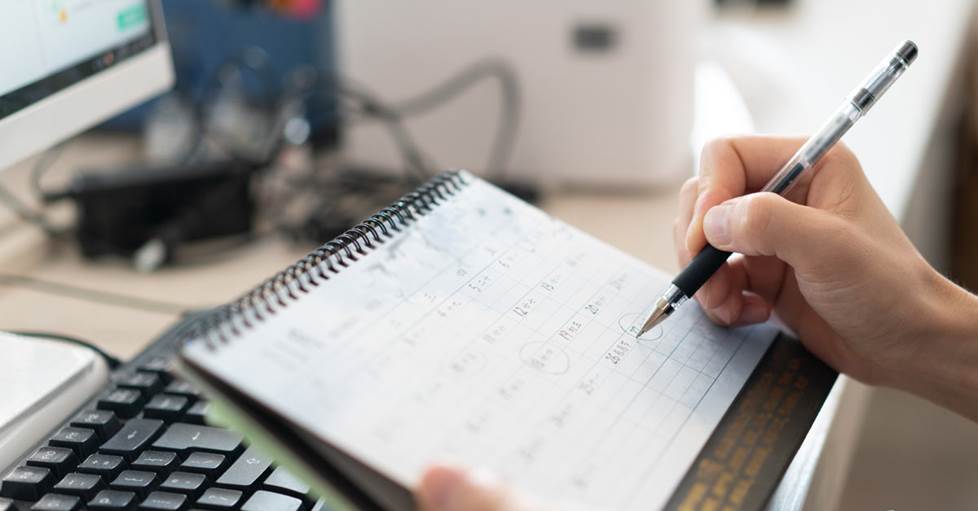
606,88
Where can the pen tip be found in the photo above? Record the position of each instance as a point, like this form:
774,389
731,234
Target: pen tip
657,316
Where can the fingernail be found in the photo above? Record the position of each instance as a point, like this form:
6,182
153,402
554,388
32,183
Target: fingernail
716,224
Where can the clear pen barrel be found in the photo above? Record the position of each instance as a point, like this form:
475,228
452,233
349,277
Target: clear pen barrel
885,75
872,88
814,148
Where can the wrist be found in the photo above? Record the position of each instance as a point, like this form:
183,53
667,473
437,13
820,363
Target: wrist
944,365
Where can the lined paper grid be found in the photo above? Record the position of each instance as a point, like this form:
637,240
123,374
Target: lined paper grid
492,335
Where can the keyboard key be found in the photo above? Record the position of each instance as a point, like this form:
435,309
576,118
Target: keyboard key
81,440
219,498
156,461
146,382
104,422
166,407
124,402
247,470
203,462
83,485
57,502
183,437
105,465
26,483
60,460
182,388
184,482
197,414
113,499
137,481
156,365
160,366
268,501
132,437
283,481
159,500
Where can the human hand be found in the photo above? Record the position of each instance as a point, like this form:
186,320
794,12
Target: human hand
449,489
829,260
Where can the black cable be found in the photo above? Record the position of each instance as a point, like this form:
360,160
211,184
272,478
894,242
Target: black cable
308,82
27,213
509,118
92,295
43,164
110,360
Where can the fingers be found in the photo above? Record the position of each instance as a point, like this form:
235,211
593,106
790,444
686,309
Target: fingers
731,167
765,276
728,300
450,489
687,198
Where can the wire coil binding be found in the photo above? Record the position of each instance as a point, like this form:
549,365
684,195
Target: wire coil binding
288,285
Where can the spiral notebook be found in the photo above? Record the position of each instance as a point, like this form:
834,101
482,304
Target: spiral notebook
463,325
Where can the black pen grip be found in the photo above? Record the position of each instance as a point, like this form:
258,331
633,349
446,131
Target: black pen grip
700,269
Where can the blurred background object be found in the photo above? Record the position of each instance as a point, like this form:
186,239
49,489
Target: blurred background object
276,38
329,110
605,88
964,236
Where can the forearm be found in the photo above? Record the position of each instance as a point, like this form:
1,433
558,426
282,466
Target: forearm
945,368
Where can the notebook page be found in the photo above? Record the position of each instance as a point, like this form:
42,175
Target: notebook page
491,335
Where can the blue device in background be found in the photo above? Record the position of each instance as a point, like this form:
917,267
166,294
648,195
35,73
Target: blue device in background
205,34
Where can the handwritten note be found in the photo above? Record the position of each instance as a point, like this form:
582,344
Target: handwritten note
489,334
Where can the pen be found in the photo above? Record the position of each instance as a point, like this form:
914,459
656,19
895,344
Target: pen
710,259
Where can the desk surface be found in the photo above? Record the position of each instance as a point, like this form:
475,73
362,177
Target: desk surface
125,331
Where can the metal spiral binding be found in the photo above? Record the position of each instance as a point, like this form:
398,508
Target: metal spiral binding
288,285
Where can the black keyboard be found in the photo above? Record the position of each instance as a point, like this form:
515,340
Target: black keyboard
142,444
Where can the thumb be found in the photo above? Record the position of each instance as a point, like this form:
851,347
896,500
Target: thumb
450,489
770,225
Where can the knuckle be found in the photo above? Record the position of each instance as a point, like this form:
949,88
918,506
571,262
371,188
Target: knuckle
689,190
715,149
714,146
840,154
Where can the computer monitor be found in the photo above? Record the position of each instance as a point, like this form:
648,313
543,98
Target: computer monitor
65,65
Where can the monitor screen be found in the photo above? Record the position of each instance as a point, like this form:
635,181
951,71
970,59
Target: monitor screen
49,45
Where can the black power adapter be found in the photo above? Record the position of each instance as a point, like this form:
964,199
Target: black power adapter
147,211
